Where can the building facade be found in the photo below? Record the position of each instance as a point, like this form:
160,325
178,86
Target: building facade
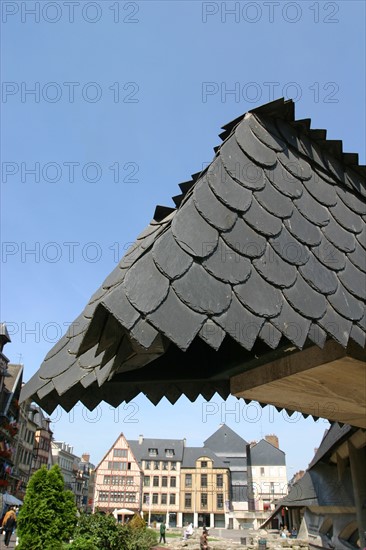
118,479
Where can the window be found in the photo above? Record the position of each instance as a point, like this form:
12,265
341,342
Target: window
169,453
220,501
262,471
173,465
188,500
155,498
156,481
164,498
165,465
203,480
147,464
219,480
188,480
172,499
103,496
203,463
173,481
164,481
146,499
156,465
120,453
146,481
129,480
203,500
153,452
117,465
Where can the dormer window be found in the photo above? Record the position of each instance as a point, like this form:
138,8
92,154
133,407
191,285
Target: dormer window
169,453
153,452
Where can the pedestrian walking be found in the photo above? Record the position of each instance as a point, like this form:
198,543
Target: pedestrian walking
162,533
9,523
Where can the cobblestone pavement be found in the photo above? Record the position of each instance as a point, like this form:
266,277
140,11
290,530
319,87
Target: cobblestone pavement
11,544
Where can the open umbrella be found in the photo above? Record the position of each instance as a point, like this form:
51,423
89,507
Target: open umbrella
10,500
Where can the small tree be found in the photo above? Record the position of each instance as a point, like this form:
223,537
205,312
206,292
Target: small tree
48,515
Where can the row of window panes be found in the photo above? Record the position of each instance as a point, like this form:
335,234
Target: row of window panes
168,452
120,453
154,481
117,496
118,480
219,500
219,480
160,465
114,465
155,498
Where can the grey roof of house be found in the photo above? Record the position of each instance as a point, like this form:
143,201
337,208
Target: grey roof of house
332,438
141,451
227,442
270,236
266,454
191,454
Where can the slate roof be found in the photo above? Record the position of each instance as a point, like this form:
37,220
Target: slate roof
266,247
191,454
226,442
266,454
141,451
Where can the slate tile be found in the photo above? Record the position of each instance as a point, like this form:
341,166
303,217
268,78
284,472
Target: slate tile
361,238
354,280
358,336
250,144
312,150
336,326
259,297
293,326
356,181
311,209
118,305
325,175
244,240
62,343
144,333
270,335
285,182
77,327
346,304
336,168
94,330
202,292
347,218
288,133
302,229
46,389
169,257
266,132
212,334
306,300
227,264
240,324
318,276
74,344
192,232
114,278
60,363
240,167
352,201
289,248
275,270
144,285
295,164
273,201
97,296
214,212
260,220
33,385
227,190
329,255
177,321
317,335
321,190
149,230
358,257
88,379
362,321
68,379
344,240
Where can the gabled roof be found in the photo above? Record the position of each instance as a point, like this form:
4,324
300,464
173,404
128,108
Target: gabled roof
266,248
226,442
192,454
125,443
141,450
266,454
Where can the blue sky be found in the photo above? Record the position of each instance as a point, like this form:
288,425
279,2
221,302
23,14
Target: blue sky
128,100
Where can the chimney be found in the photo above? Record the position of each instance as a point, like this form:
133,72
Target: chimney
85,457
141,438
184,441
273,440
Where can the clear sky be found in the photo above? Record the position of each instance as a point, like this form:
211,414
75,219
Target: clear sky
106,107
